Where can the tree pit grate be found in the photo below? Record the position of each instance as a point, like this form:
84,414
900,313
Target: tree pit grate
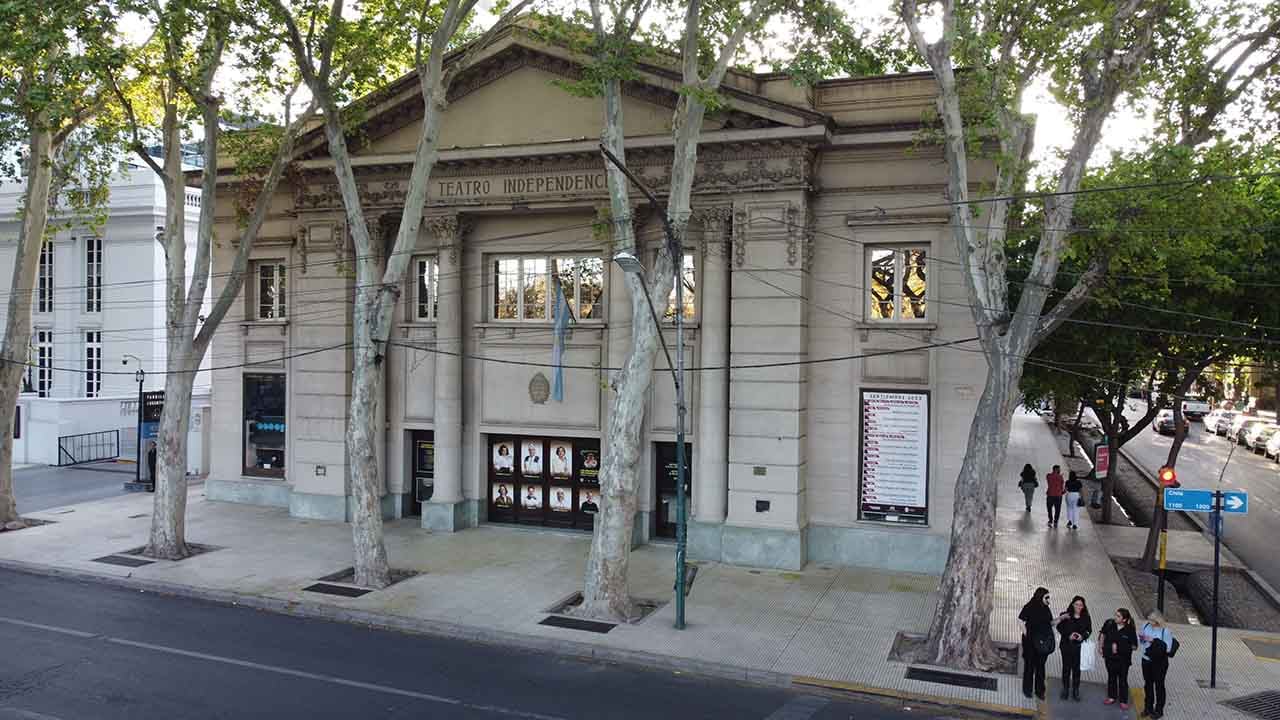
1264,705
123,561
572,623
339,590
944,677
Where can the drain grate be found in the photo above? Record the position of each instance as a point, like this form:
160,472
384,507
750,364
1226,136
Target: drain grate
943,677
1264,705
122,560
578,624
341,590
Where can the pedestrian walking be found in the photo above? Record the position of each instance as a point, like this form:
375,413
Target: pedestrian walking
1028,484
1074,627
1158,645
1116,641
1074,488
1054,489
1037,641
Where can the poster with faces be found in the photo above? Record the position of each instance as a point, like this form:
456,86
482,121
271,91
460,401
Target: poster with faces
561,460
504,462
503,495
561,499
531,497
531,457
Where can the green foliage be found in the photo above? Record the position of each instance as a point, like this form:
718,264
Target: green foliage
822,42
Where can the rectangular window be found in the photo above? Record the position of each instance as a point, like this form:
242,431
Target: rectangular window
425,297
92,363
524,287
44,286
897,283
271,291
92,274
44,362
687,276
264,425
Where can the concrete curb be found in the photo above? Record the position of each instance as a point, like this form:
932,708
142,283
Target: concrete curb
1258,581
803,681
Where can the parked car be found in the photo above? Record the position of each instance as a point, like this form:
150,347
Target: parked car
1163,424
1194,407
1273,447
1218,422
1258,436
1247,427
1238,422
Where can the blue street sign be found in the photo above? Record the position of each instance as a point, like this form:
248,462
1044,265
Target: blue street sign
1190,500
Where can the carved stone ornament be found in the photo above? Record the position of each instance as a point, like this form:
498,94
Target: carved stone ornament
716,222
739,238
447,231
794,233
539,388
303,236
810,237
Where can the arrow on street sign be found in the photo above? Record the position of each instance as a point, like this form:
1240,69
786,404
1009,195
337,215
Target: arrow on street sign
1235,502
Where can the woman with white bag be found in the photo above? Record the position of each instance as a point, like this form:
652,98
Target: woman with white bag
1075,627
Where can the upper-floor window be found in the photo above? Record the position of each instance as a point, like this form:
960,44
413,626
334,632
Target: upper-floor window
426,289
897,283
44,362
271,291
687,277
44,278
92,274
524,286
92,363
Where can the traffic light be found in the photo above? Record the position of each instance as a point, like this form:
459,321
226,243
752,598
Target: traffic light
1168,478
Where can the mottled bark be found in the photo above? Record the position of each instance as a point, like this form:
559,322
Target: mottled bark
17,332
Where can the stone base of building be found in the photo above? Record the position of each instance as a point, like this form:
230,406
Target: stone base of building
450,517
898,549
762,547
704,541
276,493
272,493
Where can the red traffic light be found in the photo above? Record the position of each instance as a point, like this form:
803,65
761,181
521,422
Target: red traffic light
1168,478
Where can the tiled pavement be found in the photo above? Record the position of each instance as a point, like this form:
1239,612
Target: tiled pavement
495,584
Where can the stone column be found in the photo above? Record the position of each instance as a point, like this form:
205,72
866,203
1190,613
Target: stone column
447,512
711,436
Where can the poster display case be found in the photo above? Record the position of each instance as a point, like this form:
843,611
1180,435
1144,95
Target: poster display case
545,481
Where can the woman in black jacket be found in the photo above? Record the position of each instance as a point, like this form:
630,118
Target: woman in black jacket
1027,483
1117,640
1074,626
1037,624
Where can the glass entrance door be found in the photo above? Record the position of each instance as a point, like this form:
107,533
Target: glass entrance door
422,468
664,508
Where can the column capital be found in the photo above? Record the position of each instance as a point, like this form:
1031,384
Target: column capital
716,222
448,230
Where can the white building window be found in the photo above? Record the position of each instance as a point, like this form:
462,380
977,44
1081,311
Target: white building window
92,274
897,284
271,291
426,289
92,363
44,281
523,288
44,362
687,276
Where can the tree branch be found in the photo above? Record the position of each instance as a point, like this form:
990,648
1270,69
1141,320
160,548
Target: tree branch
1072,301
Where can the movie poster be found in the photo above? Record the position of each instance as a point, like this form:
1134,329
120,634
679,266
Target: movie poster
503,458
589,465
561,460
502,495
531,497
531,458
894,457
590,502
561,499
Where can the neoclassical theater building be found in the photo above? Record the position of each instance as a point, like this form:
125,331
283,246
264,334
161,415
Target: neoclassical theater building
827,424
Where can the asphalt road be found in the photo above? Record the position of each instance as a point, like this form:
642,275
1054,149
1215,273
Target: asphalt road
1252,537
44,487
78,650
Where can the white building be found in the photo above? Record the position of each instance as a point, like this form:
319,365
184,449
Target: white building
98,299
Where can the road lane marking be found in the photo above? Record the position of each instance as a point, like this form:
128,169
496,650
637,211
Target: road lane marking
327,679
802,707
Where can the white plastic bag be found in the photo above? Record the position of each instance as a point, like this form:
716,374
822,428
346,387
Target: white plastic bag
1088,649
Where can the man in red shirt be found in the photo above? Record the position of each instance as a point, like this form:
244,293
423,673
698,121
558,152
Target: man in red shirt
1053,494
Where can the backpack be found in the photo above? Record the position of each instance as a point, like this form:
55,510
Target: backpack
1173,649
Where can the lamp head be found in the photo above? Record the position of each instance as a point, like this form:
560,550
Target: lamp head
629,263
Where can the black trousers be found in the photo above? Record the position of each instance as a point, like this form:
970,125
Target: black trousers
1070,664
1118,681
1032,668
1053,503
1153,683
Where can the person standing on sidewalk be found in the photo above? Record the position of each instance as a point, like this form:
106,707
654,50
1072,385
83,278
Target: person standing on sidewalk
1075,627
1028,484
1117,639
1074,488
1053,491
1037,641
1157,646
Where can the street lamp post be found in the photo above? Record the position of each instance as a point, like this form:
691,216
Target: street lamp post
631,265
141,377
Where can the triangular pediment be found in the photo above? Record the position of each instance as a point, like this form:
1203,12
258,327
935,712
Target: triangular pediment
509,96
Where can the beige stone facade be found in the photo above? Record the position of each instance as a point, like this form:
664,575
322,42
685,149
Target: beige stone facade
794,198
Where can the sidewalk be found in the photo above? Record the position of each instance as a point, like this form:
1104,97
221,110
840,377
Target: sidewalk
823,625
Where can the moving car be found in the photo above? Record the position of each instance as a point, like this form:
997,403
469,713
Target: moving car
1194,407
1247,427
1163,424
1257,437
1273,447
1218,421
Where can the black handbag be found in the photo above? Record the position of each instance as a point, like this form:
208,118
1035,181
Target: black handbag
1043,643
